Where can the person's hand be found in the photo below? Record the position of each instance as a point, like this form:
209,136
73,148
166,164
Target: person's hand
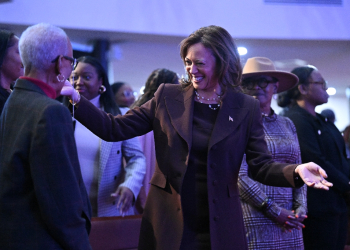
313,175
288,220
124,198
300,214
68,90
300,217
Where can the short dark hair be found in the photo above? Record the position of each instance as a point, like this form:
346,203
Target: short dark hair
116,86
156,78
223,48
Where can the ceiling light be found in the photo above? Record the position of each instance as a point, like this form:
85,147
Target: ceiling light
242,51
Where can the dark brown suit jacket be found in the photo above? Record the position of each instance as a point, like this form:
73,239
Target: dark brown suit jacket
237,130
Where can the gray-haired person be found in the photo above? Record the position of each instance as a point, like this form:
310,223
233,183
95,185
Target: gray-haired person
43,201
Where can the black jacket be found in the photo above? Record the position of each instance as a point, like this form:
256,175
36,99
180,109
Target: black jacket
321,142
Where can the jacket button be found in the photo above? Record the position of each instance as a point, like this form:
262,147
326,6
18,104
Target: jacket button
215,182
118,151
216,218
215,200
115,177
113,202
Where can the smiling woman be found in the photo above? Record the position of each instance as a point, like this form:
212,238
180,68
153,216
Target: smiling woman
112,187
10,64
193,201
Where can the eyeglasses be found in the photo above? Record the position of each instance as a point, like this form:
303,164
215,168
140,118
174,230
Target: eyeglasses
261,82
128,94
73,61
323,83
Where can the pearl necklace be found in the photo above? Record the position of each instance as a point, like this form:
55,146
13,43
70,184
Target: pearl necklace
201,98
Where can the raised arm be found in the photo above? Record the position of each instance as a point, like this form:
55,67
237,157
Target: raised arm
136,122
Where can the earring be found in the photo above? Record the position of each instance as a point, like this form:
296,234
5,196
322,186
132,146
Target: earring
102,89
58,78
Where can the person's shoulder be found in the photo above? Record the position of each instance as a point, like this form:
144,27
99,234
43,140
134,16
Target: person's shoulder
286,120
172,87
54,108
245,97
283,118
300,118
295,113
240,99
170,90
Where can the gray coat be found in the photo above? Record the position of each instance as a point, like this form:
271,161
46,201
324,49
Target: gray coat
43,201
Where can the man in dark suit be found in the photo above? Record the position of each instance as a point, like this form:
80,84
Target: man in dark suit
43,201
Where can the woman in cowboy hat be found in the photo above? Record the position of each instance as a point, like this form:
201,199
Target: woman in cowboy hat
268,211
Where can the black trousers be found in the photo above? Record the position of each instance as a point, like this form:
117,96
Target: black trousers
326,232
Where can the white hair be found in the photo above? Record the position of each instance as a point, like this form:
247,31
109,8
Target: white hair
40,44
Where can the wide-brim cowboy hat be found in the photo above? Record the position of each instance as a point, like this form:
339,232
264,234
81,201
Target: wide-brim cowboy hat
256,66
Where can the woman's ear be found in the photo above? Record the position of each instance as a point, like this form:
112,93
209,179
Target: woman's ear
303,89
58,65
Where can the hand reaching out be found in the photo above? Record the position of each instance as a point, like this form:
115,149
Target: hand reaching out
68,90
313,175
124,197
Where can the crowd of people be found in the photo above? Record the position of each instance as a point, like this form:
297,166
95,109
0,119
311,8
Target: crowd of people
214,165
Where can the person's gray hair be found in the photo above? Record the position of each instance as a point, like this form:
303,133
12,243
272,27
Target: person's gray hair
40,44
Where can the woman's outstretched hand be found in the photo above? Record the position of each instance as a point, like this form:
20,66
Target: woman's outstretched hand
313,175
69,91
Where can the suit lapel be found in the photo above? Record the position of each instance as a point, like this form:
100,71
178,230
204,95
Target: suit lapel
230,115
180,109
